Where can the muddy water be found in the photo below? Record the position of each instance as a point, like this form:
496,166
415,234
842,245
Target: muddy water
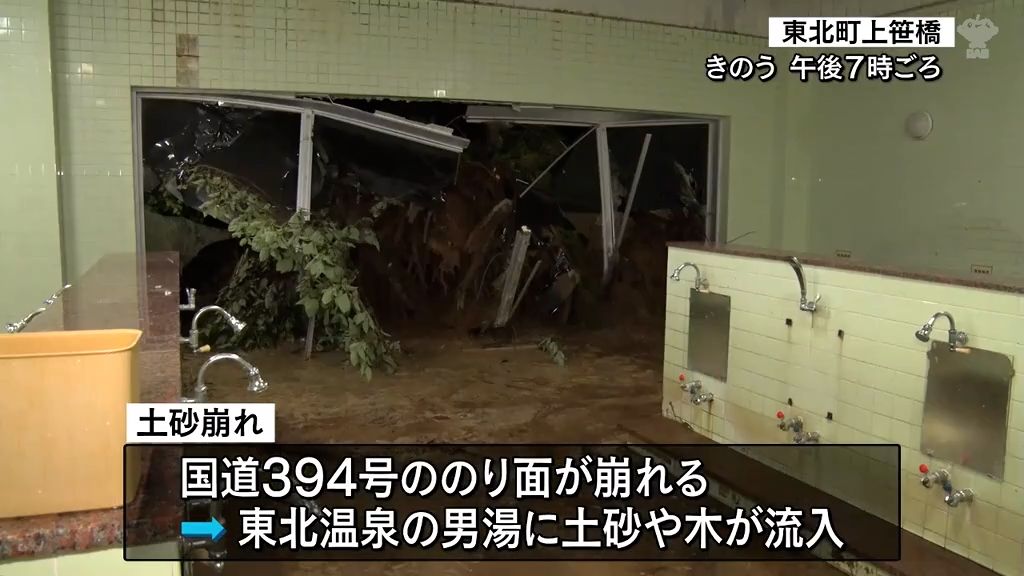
453,390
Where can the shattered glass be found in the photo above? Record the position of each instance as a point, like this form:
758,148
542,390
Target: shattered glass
186,134
380,165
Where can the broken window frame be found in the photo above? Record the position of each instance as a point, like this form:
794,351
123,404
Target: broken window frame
308,109
600,121
426,134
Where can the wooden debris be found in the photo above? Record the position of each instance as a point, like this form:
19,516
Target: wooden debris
512,273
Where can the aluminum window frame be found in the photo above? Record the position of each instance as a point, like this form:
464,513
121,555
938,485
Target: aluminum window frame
600,121
442,138
308,110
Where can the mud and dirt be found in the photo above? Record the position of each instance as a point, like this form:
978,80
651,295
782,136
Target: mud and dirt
453,389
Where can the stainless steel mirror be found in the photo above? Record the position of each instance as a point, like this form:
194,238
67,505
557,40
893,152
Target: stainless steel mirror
966,407
708,350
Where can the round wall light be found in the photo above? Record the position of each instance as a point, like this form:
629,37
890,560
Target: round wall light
919,125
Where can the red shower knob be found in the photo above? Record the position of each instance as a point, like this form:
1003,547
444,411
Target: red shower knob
923,468
780,415
682,377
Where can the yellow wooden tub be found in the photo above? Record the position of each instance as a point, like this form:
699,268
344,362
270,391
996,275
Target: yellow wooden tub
62,420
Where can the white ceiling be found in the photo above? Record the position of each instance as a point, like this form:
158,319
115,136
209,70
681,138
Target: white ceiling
739,16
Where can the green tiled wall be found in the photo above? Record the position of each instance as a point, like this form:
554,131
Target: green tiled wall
30,231
811,167
400,48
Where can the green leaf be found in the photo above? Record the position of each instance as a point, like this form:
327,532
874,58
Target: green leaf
343,302
312,305
327,296
316,268
285,265
292,261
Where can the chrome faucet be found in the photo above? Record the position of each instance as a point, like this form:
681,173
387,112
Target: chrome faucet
703,397
193,334
15,327
216,553
956,338
957,496
940,477
56,295
699,282
806,438
805,305
796,424
696,396
256,382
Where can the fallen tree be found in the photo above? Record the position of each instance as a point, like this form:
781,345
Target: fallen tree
293,264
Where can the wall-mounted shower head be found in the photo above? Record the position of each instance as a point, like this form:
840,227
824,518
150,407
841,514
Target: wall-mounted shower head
257,383
193,335
698,283
805,304
956,337
236,324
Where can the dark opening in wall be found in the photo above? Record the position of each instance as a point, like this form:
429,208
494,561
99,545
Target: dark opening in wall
445,236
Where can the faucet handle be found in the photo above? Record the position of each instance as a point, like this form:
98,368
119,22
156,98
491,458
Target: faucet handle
929,477
190,295
690,387
784,424
794,423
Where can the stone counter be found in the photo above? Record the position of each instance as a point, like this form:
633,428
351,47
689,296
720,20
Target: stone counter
118,292
1002,284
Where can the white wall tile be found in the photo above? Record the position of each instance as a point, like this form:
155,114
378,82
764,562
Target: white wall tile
872,380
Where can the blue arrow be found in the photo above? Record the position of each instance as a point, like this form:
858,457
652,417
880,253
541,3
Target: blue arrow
212,530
